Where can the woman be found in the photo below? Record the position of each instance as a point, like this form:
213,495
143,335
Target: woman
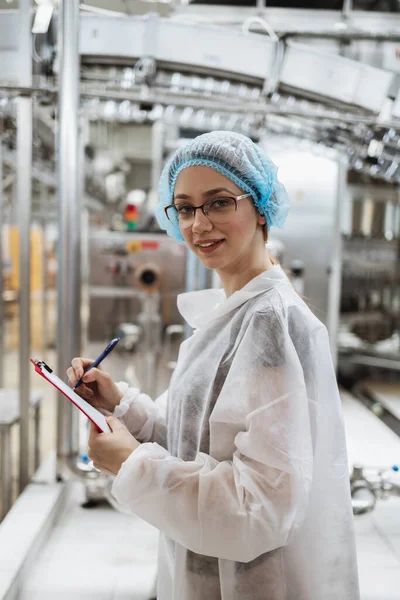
246,474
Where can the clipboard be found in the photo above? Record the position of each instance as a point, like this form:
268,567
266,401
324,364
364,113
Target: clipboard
88,410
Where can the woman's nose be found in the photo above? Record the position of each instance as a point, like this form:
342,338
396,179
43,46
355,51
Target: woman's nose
201,222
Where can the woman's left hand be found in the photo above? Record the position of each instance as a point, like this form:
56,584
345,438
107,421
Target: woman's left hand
109,450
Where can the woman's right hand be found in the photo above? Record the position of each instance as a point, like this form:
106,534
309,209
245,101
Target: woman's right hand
98,388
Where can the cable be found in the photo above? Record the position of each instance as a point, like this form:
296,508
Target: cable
35,55
263,22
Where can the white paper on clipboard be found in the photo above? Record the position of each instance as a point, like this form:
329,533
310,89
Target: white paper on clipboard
88,410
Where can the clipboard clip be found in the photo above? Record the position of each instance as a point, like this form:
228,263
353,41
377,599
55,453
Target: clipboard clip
39,365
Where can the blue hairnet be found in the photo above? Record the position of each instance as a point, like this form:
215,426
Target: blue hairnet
238,158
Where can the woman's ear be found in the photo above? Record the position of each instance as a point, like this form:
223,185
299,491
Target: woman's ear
261,220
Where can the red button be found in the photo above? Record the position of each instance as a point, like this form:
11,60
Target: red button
150,245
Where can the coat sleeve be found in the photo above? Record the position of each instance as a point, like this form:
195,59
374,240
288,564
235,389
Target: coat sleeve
250,504
143,417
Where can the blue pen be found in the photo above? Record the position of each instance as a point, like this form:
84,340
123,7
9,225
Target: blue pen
98,360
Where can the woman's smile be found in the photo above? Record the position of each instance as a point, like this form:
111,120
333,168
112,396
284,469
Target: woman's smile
209,246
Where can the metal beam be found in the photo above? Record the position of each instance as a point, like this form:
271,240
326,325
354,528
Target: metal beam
24,208
69,218
349,35
335,266
44,207
2,347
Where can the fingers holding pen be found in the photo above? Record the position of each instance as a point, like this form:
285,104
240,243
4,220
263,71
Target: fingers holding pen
97,388
81,390
77,372
80,365
93,375
94,379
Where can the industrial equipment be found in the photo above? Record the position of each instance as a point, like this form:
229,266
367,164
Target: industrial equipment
369,336
134,280
369,484
125,271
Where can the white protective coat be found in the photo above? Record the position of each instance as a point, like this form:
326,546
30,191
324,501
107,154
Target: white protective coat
245,474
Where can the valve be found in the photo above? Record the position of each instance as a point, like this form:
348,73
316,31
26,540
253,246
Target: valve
148,278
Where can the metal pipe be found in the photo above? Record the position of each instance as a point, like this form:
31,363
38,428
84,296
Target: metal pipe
2,315
190,283
335,276
347,8
6,470
239,108
150,321
350,35
27,90
85,231
244,108
45,323
261,5
24,208
81,324
374,361
68,251
37,425
157,152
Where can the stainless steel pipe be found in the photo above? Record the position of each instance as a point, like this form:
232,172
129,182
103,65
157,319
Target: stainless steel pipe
335,278
44,200
2,315
349,35
69,223
197,102
24,209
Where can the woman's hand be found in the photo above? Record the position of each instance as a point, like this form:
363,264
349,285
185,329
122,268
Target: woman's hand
98,388
109,450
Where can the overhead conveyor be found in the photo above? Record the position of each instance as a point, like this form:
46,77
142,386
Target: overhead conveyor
142,69
228,54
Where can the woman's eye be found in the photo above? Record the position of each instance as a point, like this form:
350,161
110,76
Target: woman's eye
221,202
184,209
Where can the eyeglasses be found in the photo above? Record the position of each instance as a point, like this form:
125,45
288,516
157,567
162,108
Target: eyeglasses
219,210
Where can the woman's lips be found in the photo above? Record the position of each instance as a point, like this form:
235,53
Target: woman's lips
212,248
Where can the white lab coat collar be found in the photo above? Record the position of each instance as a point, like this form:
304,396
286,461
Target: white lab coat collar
200,308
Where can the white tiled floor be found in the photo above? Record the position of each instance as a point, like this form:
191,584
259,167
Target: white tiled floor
102,554
371,443
95,553
379,552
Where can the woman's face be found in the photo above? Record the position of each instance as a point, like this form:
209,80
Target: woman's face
236,239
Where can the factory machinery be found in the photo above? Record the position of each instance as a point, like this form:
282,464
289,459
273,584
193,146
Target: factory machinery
126,91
